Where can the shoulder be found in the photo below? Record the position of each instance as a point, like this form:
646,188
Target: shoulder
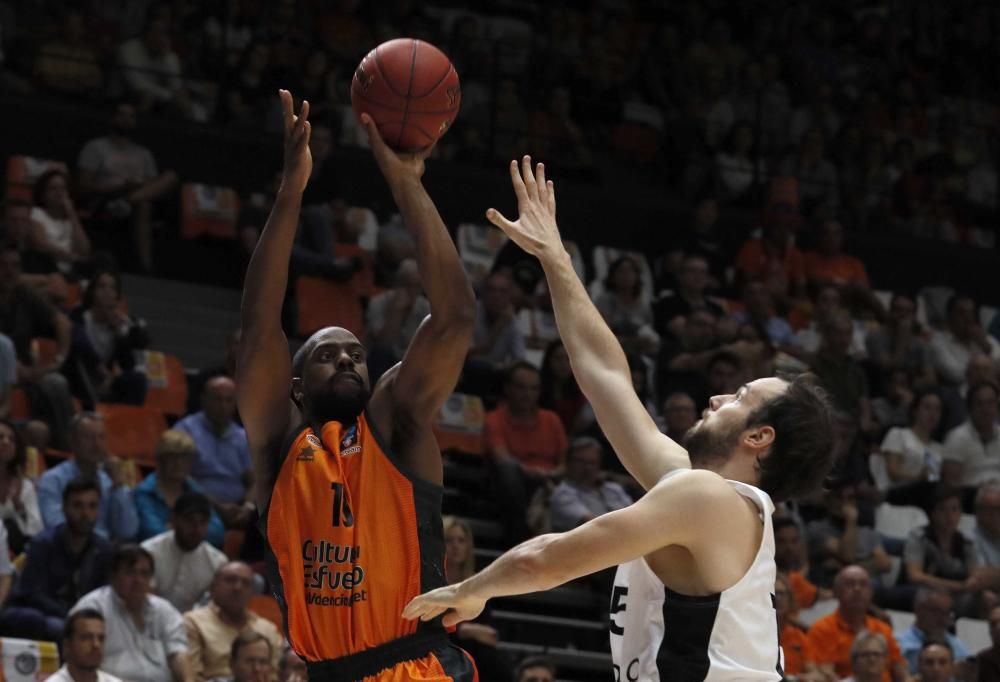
549,418
95,599
822,627
216,556
267,628
202,614
158,543
697,486
146,486
164,611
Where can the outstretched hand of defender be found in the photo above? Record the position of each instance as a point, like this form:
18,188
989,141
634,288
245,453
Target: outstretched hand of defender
448,600
298,158
535,229
395,166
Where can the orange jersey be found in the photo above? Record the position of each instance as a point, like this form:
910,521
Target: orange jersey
354,539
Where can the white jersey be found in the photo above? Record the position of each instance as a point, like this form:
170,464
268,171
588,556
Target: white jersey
658,634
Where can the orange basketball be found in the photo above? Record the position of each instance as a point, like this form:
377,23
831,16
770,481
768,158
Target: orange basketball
411,91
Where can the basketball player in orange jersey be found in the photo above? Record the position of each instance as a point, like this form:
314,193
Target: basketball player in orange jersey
349,478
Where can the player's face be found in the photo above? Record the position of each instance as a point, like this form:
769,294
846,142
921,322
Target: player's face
335,377
715,435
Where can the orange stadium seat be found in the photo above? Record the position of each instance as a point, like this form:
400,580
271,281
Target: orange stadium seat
167,384
133,431
459,424
22,171
266,606
209,211
20,405
323,303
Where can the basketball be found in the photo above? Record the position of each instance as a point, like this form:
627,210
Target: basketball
411,91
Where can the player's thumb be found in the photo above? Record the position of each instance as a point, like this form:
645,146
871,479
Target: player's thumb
451,619
497,219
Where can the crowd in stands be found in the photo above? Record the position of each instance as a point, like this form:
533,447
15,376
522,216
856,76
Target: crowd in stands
813,118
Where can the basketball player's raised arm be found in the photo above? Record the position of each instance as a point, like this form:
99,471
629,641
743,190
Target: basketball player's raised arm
264,373
434,358
598,360
687,509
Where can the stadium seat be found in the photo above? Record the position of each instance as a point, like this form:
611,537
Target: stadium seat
901,620
897,521
25,660
266,606
975,634
233,542
207,210
967,525
478,246
22,171
167,387
44,350
20,405
821,608
459,425
879,471
323,303
133,431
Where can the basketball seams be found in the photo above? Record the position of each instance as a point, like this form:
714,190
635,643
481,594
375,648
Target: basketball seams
409,90
439,81
388,83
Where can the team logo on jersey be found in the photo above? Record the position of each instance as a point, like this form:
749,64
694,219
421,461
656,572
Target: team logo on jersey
308,451
349,442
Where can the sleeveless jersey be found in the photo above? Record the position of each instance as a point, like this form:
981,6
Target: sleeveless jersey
354,536
658,634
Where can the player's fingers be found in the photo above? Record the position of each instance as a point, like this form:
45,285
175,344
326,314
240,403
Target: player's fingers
304,110
529,177
412,609
495,217
287,115
543,189
374,137
515,177
451,619
551,197
433,612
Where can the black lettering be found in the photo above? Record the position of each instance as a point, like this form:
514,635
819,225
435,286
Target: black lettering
341,507
630,675
617,604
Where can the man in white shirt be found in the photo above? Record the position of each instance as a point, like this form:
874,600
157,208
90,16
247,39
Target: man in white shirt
83,649
185,563
964,336
972,449
145,636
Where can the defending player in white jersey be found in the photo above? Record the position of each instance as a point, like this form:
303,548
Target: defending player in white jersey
693,595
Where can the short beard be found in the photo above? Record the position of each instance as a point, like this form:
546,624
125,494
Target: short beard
707,446
330,406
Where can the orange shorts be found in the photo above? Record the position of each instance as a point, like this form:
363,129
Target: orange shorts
429,669
441,662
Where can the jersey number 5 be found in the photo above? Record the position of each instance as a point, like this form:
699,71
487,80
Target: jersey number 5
341,509
617,605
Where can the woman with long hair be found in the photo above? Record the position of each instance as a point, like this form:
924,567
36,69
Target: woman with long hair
913,453
626,307
19,509
56,240
560,392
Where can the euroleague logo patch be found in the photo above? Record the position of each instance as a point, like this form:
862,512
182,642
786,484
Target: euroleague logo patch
349,442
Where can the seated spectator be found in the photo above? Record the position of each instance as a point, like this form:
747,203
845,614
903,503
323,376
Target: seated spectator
692,282
227,368
536,669
841,375
556,136
625,307
477,637
222,465
828,264
19,510
145,636
24,316
980,369
69,64
102,359
940,557
185,563
88,439
56,240
63,563
152,72
156,496
83,649
560,392
496,341
536,320
679,414
583,494
986,535
790,557
772,258
869,654
291,668
724,373
121,179
798,654
972,449
212,629
250,659
839,540
827,304
964,335
525,443
248,98
932,608
913,454
392,319
988,660
759,310
937,662
832,637
899,344
8,375
892,408
6,567
738,167
816,174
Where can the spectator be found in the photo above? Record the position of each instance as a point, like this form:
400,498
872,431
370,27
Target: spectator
980,368
625,306
937,663
790,556
817,176
525,443
560,392
185,563
121,177
212,629
156,496
892,408
972,449
88,439
248,99
56,240
105,341
988,660
772,258
152,72
583,494
477,637
392,319
759,310
799,661
6,567
62,564
497,341
933,609
723,373
939,556
869,652
69,64
986,535
738,166
692,282
899,344
536,669
827,304
840,540
222,465
291,668
832,637
914,454
830,265
83,649
251,658
227,368
16,223
145,634
679,414
840,374
18,501
24,315
952,348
